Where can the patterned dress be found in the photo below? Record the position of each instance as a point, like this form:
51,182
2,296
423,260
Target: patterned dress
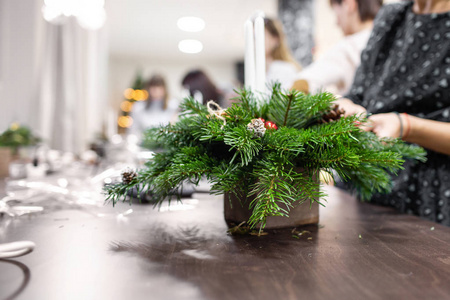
406,68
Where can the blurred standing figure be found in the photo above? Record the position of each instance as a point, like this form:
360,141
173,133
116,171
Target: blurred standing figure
403,82
335,70
155,110
280,64
201,87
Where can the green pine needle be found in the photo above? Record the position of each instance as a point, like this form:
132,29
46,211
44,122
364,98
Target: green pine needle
275,172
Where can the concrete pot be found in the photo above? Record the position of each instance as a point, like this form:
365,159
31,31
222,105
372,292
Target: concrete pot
236,211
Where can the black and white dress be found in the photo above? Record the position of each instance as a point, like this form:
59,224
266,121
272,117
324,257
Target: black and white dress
406,68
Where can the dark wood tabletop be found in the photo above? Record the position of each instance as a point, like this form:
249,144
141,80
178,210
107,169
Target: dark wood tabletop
358,251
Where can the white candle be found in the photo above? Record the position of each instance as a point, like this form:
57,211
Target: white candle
260,55
249,63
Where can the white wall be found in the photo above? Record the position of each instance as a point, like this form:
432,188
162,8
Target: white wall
20,25
27,82
122,71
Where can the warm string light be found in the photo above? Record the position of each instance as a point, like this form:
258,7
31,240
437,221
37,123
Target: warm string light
135,95
125,121
140,95
131,96
126,106
128,93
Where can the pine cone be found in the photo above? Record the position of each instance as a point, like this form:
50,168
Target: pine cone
333,115
257,127
128,176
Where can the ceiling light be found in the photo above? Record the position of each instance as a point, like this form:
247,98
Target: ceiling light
89,13
191,24
190,46
92,19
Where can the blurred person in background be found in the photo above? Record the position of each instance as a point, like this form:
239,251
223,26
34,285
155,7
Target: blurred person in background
199,86
280,64
403,82
155,111
334,71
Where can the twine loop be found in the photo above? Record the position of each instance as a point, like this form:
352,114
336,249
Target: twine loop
218,112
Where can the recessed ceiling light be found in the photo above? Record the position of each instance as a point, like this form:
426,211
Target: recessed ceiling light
190,46
191,24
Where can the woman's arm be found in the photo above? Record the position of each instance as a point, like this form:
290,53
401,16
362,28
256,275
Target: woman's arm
430,134
333,69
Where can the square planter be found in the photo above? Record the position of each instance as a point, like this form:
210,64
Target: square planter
236,211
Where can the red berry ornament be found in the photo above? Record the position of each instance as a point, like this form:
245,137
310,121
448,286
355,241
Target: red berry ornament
270,125
264,121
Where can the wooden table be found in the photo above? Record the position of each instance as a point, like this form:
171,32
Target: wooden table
359,251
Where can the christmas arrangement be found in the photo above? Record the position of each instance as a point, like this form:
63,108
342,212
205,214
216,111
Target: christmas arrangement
17,136
269,147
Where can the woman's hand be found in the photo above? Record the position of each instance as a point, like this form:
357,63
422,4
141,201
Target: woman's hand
384,125
430,134
349,107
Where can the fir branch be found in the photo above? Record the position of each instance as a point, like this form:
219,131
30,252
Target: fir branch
407,151
242,141
288,108
368,179
233,179
211,131
280,170
279,187
237,115
248,102
286,141
190,106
